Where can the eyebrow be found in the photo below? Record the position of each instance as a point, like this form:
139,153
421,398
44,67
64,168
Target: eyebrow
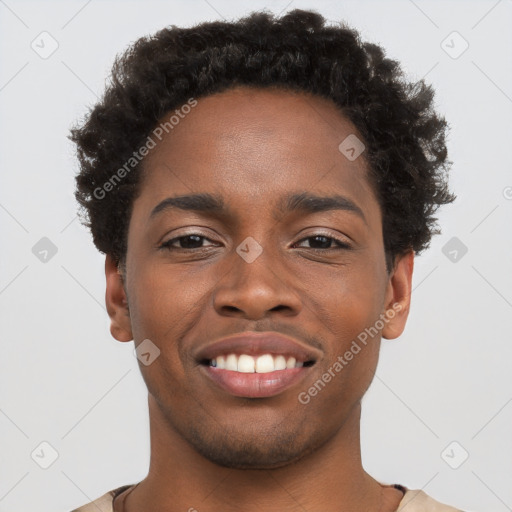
301,202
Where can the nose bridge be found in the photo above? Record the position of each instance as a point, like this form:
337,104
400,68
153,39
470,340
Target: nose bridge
255,260
255,282
256,237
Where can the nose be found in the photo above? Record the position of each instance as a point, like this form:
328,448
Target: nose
255,289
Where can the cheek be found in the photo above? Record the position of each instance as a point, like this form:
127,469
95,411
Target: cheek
348,300
350,304
352,353
164,301
165,305
163,308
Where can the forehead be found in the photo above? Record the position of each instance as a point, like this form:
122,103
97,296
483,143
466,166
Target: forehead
258,143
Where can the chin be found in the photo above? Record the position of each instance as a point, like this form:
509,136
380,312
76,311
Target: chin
257,452
249,456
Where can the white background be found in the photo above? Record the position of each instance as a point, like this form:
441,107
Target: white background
65,381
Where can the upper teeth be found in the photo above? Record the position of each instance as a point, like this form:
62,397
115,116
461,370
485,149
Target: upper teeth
248,364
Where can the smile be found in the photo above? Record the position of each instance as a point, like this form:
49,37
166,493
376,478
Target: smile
266,363
249,376
255,365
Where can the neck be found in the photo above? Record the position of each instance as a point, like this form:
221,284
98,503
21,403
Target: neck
331,479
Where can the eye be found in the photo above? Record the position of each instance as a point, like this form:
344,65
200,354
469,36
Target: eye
323,242
194,241
190,241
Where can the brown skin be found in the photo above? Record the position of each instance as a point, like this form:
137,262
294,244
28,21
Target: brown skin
209,450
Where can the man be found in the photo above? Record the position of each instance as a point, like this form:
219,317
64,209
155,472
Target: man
260,189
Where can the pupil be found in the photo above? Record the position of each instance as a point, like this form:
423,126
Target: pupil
185,241
325,245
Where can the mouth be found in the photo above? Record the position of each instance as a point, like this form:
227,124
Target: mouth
256,365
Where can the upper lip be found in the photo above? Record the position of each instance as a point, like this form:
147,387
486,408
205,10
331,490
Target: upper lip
256,344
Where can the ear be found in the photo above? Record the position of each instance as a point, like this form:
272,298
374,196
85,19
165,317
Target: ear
398,296
117,302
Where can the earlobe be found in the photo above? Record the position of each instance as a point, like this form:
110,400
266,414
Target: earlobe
398,296
117,302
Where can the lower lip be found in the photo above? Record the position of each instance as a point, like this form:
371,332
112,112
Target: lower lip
255,385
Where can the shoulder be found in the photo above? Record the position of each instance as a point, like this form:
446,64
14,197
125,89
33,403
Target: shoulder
414,500
419,501
103,503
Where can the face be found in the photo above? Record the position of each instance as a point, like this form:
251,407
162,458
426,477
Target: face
312,270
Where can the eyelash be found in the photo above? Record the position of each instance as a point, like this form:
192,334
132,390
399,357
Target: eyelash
341,245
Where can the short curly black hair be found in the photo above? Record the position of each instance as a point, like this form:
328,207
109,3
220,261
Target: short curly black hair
404,137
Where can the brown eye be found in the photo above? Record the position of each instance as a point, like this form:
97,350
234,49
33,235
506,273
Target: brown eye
323,242
185,242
